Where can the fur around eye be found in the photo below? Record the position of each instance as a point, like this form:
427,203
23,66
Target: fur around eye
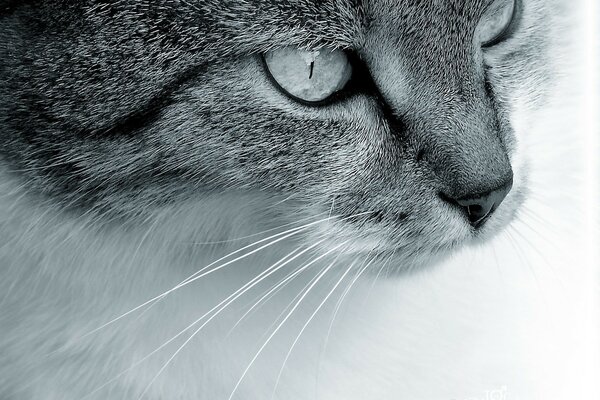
308,76
497,22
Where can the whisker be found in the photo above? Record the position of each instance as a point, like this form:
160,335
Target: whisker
142,240
286,318
266,296
522,256
217,309
339,302
545,224
255,234
288,307
539,252
287,356
292,253
384,266
183,283
497,262
534,215
332,206
257,280
286,234
274,205
200,274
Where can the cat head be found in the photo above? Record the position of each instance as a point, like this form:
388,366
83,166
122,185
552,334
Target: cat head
395,117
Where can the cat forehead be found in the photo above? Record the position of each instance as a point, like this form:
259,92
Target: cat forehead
430,13
341,23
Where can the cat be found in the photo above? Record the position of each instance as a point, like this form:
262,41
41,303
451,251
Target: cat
157,156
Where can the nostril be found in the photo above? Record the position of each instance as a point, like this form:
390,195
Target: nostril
479,208
476,210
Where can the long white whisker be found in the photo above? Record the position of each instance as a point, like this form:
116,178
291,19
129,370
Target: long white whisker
381,269
286,234
285,319
343,296
256,280
534,215
142,240
522,256
336,310
289,306
291,254
293,230
287,356
185,282
528,241
218,308
539,253
256,234
200,274
265,296
271,292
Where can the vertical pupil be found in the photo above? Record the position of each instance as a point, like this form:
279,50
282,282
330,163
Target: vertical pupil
312,68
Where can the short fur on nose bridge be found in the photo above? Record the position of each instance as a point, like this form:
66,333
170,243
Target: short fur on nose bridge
480,207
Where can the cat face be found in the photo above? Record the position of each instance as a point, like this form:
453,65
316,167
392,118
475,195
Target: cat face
121,107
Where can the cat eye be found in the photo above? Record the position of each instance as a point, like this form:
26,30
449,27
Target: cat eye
498,22
309,76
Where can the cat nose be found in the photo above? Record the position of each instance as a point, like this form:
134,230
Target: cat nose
479,207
